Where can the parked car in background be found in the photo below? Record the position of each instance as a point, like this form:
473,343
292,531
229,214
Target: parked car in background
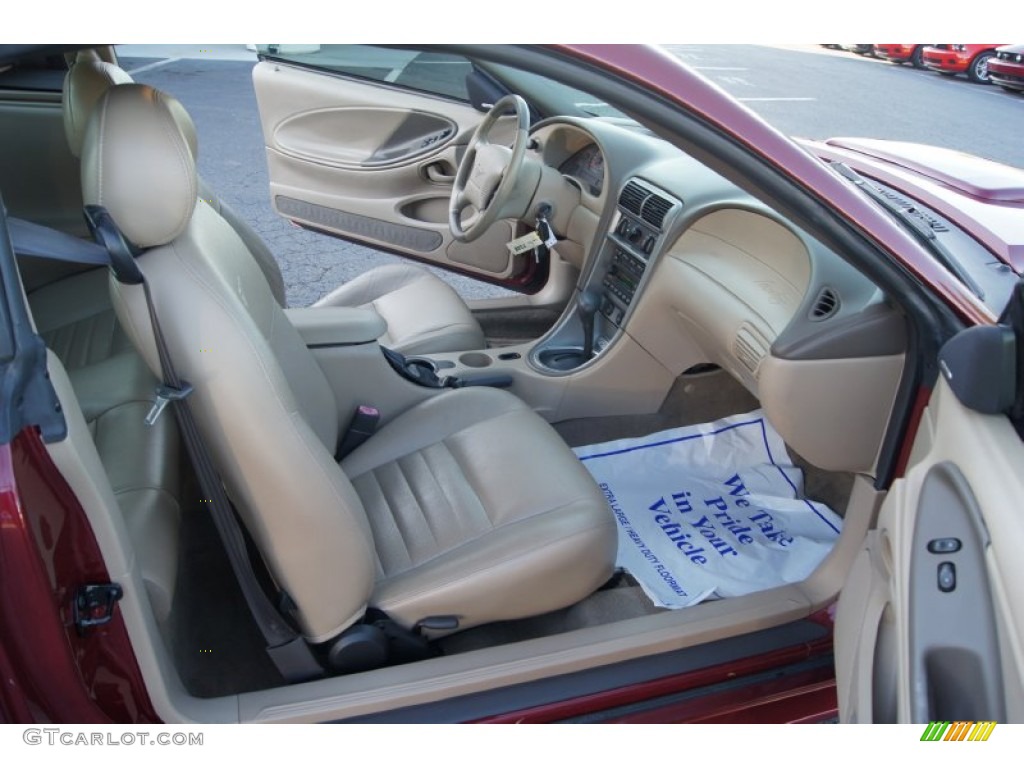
959,58
863,49
1006,68
901,53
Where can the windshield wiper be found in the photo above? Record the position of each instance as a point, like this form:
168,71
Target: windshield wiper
909,215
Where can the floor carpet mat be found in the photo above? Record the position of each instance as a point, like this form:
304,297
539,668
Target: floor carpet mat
711,510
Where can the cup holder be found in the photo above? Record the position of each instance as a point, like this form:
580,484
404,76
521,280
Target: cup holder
560,358
422,362
475,359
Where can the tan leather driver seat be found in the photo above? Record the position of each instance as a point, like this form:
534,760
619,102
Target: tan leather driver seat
423,313
466,505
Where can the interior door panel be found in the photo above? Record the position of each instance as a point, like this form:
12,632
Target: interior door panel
371,162
930,623
315,136
955,672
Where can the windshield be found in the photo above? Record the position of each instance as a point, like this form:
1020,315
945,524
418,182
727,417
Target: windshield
552,97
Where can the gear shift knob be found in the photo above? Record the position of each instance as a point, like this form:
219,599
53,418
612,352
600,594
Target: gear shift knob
587,303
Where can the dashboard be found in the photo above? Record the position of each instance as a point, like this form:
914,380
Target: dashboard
587,168
694,270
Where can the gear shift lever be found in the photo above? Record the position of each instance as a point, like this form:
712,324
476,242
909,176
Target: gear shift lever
587,303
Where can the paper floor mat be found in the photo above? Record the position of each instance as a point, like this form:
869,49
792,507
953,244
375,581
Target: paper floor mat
711,510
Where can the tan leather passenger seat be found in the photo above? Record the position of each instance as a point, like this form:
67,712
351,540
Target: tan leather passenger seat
466,505
422,312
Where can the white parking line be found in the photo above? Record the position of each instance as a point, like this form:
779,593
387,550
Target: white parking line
154,65
1000,94
778,98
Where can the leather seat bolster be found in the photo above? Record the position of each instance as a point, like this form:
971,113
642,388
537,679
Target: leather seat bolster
371,285
263,255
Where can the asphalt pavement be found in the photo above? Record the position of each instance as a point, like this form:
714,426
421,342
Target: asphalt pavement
818,93
804,91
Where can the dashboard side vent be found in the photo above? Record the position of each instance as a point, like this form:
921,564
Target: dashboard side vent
655,209
825,305
633,197
749,347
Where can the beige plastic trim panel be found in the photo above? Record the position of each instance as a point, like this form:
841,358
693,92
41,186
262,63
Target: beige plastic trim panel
989,454
359,375
831,412
78,462
624,380
491,668
730,285
488,252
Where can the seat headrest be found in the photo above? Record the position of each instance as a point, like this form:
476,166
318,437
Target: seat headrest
137,163
87,79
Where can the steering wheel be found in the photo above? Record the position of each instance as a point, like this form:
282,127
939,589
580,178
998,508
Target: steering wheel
488,172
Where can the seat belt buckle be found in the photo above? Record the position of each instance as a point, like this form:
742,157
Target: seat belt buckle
166,394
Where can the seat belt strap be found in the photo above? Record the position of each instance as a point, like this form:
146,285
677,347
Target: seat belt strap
43,242
285,646
287,649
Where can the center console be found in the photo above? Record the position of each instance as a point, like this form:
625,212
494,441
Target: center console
591,330
607,294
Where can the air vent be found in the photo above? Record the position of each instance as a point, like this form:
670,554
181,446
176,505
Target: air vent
632,197
655,210
749,348
825,305
642,202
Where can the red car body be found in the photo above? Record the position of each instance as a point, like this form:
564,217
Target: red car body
1006,68
901,53
47,546
954,59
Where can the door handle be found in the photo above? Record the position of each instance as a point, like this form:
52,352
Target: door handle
439,173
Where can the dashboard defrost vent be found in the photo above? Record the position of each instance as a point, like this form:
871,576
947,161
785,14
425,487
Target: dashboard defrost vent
825,305
655,210
632,198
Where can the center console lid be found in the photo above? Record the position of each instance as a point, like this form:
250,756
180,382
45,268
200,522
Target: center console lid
336,326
